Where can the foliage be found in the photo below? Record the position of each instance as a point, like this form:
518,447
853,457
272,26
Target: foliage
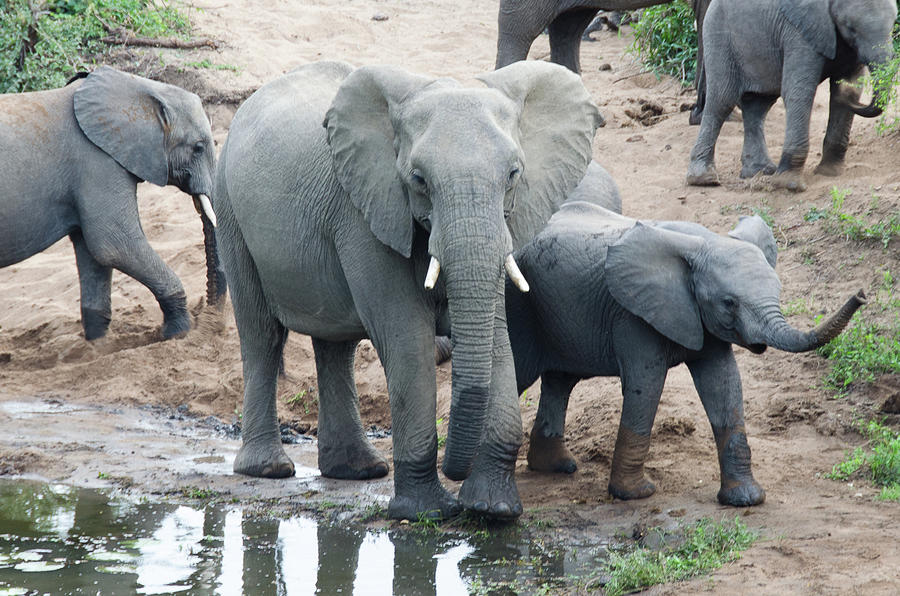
862,352
878,462
707,545
853,227
43,44
665,40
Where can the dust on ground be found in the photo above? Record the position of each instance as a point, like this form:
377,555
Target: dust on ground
132,411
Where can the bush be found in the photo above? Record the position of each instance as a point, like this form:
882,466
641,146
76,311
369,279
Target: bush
665,40
43,44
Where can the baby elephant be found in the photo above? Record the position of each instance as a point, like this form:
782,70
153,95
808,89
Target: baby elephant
611,296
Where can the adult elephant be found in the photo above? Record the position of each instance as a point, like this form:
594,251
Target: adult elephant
640,298
71,160
792,46
521,21
329,232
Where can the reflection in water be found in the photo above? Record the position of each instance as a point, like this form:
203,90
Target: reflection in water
59,539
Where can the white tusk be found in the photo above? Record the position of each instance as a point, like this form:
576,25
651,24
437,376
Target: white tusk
515,274
207,209
434,268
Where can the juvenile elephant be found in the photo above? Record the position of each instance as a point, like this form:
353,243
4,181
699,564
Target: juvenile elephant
615,297
792,46
71,159
521,21
329,232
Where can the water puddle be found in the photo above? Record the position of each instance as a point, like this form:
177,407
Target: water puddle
59,539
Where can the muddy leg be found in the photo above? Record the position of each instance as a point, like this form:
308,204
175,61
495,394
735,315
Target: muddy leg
547,450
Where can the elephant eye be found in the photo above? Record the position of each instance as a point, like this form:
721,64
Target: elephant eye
418,181
199,147
729,303
513,176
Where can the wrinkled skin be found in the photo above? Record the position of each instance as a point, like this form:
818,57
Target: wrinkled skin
640,298
792,46
72,159
521,21
328,231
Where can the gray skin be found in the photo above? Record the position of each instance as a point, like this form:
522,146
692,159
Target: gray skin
792,47
521,21
638,299
328,231
72,159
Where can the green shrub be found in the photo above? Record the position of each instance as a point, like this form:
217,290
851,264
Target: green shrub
879,462
43,44
853,227
862,352
665,40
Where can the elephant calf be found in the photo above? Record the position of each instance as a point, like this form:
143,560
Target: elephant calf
611,296
70,162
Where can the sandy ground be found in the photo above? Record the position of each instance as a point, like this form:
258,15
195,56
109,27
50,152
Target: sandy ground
131,410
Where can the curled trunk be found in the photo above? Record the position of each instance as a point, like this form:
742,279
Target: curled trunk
880,94
785,337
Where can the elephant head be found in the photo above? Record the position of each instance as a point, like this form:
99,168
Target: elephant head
865,25
160,134
685,285
456,162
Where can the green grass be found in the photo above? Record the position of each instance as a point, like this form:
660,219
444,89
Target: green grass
304,398
854,227
877,462
862,352
707,545
665,40
206,63
42,49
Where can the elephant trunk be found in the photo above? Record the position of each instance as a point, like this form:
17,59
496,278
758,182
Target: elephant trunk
785,337
215,275
472,261
884,80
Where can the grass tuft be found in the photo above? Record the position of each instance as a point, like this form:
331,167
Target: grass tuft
707,545
854,227
878,462
862,352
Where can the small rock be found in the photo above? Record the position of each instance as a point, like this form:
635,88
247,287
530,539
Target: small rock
5,357
634,139
380,16
668,147
605,66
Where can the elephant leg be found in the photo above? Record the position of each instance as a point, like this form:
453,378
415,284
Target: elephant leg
798,100
344,450
643,373
755,157
837,134
565,37
718,383
547,450
95,281
702,169
128,251
518,25
491,488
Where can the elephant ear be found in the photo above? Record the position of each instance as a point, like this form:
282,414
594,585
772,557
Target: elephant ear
556,127
361,137
755,230
813,20
124,116
648,272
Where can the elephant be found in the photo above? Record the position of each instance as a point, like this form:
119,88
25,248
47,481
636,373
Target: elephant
521,21
71,160
793,46
330,231
612,296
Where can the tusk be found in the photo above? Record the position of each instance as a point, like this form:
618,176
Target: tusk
434,268
207,208
515,274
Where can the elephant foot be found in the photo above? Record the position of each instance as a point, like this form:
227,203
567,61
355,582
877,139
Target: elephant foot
788,180
361,462
419,495
490,490
641,489
263,460
176,321
626,478
829,168
700,174
741,494
95,323
749,171
549,454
